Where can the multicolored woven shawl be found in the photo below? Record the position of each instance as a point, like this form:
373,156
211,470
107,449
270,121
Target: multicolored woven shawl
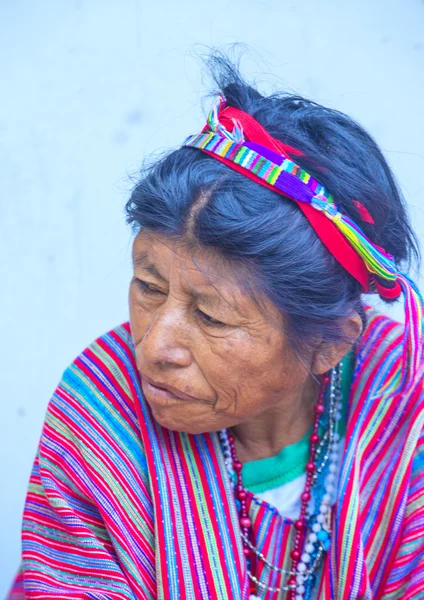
120,508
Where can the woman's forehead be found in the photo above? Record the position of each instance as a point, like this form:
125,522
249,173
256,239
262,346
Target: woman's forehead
163,255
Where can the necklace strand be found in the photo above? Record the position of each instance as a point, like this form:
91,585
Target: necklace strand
305,562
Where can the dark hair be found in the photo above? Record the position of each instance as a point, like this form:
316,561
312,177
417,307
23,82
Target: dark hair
188,194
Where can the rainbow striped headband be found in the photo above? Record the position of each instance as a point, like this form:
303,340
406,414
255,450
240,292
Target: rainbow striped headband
239,141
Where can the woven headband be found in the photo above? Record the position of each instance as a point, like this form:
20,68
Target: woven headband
236,139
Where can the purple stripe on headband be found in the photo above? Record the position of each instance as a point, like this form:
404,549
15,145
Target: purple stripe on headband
293,187
286,183
277,159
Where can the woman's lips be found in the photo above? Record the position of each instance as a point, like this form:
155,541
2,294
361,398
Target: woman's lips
161,393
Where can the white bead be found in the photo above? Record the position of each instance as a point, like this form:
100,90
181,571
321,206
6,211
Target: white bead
300,579
336,436
331,478
306,557
334,457
309,548
320,519
330,488
300,589
301,567
299,597
326,498
323,509
339,405
316,527
338,416
312,538
332,468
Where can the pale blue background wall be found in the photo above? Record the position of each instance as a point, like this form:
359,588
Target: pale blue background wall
90,87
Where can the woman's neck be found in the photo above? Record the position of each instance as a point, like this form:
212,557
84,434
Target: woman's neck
268,433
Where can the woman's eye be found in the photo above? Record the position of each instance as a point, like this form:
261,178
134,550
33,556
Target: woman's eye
147,288
209,320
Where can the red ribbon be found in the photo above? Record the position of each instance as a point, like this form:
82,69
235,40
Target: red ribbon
325,229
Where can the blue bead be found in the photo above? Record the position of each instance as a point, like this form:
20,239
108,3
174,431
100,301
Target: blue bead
238,505
322,535
327,545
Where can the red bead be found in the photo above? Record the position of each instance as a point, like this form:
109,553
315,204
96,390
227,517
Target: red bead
245,522
237,466
241,494
310,467
295,554
319,409
298,525
291,581
246,551
231,439
305,496
314,439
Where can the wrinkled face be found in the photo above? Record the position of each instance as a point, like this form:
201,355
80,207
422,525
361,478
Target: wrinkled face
209,357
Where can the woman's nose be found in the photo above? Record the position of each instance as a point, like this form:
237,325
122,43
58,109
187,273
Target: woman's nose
166,339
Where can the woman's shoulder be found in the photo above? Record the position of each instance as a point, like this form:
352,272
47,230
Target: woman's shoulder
106,368
380,393
381,354
91,459
108,363
381,333
96,397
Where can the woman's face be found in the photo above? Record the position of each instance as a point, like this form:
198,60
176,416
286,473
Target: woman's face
208,356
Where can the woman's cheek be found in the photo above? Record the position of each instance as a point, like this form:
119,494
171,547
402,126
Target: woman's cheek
139,316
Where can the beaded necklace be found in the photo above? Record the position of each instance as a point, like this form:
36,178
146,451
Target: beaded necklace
313,527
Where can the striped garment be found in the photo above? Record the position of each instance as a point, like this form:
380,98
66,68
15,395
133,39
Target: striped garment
120,508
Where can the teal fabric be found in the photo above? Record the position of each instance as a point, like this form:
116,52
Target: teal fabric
269,473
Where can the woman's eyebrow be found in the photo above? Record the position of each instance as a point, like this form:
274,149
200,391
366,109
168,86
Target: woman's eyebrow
216,301
210,300
142,261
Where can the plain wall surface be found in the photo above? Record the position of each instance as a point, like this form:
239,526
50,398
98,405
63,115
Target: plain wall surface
92,87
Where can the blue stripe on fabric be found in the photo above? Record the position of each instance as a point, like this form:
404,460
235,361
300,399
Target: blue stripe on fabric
171,564
219,513
198,490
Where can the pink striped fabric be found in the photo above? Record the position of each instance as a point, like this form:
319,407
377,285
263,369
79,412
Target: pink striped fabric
120,508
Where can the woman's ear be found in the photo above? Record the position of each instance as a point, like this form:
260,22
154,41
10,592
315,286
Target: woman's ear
328,355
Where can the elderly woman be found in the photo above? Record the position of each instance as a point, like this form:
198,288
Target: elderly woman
255,431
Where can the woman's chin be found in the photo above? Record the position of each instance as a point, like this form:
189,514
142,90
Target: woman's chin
184,423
